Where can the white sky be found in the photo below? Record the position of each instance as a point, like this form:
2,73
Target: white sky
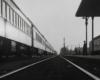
56,19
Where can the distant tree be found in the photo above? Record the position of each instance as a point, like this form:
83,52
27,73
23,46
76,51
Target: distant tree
55,52
75,50
64,51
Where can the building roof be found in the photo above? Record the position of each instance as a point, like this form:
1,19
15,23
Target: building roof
89,8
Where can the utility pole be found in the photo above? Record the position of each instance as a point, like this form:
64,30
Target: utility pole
64,46
92,35
71,47
64,42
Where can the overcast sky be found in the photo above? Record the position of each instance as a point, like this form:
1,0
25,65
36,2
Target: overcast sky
56,19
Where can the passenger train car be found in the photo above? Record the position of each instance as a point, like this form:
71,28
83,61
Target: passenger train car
18,34
96,45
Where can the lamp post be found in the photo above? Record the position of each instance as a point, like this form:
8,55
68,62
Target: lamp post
92,34
89,8
86,23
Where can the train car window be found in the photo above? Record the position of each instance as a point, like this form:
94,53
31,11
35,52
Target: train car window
4,13
14,18
94,43
43,42
39,38
0,7
27,29
7,13
19,22
23,25
90,44
5,10
13,44
46,45
98,43
11,15
36,36
30,31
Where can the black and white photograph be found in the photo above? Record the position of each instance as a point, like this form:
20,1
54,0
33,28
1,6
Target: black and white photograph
49,39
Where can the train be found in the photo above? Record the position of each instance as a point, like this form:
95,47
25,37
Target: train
96,43
18,35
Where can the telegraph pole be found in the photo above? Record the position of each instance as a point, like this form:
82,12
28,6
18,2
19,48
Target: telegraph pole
64,47
64,42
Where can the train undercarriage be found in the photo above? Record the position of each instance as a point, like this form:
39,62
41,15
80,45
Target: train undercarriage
9,47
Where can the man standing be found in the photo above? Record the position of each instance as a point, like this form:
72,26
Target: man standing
84,48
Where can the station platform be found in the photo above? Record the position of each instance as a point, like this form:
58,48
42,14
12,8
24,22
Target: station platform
87,56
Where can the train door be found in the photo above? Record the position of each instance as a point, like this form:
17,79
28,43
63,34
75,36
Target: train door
13,47
1,47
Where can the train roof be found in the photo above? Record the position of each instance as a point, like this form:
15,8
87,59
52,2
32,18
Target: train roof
97,37
30,21
21,11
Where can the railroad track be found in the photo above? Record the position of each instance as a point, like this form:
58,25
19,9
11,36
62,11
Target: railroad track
50,69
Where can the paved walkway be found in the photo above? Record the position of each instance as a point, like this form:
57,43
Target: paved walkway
88,56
